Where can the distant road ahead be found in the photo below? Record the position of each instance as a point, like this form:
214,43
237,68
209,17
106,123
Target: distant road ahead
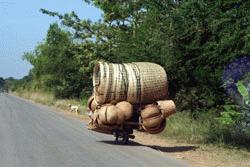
33,135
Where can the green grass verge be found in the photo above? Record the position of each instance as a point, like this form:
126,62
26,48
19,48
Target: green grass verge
48,98
183,128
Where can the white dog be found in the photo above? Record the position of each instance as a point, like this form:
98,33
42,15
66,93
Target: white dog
74,108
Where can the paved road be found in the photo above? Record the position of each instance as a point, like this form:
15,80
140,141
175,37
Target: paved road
33,135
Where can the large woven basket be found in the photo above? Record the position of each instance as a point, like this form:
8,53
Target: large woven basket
139,82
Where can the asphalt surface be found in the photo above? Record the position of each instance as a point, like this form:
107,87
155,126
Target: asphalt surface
33,135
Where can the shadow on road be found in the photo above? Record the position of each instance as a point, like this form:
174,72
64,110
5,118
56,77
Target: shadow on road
155,147
174,148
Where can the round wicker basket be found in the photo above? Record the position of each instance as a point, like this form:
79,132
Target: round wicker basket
150,111
152,122
167,107
91,104
157,129
139,82
108,114
126,109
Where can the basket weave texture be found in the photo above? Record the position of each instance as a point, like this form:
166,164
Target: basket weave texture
139,82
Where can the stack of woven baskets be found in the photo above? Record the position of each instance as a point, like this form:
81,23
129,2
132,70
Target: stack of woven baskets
118,88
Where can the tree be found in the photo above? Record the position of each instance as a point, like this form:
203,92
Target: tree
2,84
55,65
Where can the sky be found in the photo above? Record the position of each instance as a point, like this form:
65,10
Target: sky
23,26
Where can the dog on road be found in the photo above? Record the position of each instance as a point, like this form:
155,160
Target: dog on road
74,108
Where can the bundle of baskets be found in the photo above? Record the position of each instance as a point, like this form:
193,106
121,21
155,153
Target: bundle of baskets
124,92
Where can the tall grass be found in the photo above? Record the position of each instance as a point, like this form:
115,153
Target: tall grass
204,130
183,128
48,98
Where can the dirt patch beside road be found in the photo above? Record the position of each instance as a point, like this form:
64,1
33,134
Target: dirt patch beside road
196,154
